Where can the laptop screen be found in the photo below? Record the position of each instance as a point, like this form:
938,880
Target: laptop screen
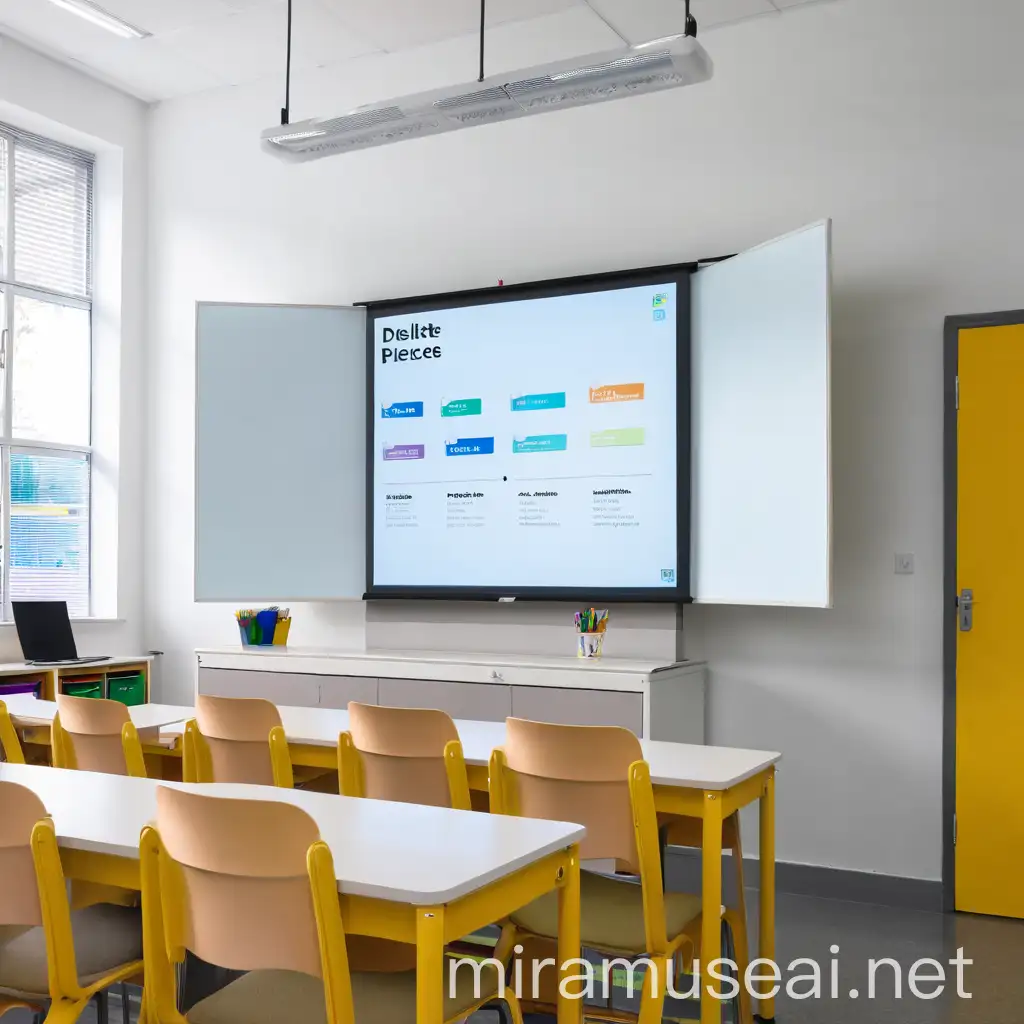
44,630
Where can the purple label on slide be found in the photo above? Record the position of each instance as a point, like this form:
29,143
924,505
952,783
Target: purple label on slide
396,452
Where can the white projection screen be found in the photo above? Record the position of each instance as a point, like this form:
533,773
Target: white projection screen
762,509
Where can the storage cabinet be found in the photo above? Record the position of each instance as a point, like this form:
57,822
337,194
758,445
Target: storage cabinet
579,707
337,691
480,702
288,688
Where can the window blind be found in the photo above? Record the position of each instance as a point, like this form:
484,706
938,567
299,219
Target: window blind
50,528
52,216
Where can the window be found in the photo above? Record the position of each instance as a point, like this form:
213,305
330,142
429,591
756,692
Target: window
46,366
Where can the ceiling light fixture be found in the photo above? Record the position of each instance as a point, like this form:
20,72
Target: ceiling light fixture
667,63
96,15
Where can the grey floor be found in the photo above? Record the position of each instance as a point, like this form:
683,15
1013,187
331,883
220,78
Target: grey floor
808,927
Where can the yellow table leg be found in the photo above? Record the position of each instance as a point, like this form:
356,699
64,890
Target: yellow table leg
766,923
711,910
570,1011
430,979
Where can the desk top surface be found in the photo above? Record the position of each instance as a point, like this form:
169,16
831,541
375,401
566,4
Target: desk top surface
402,853
672,764
26,710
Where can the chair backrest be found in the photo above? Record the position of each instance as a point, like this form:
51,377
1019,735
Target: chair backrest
19,891
236,887
10,747
577,773
92,731
402,751
237,732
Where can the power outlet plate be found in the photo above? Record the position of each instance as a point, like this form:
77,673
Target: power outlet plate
904,565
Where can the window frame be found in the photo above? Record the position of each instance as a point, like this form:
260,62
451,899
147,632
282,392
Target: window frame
10,289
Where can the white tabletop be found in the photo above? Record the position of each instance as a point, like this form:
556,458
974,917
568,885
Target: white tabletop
672,764
402,853
25,710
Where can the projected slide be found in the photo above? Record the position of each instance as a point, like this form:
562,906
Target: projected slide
528,443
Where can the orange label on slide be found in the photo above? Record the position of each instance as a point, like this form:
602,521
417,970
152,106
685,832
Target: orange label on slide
617,393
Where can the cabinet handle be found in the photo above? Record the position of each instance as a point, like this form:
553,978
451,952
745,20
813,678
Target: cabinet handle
496,675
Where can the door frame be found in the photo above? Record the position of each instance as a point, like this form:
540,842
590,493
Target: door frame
950,626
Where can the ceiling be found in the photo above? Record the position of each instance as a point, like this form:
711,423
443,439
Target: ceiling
207,44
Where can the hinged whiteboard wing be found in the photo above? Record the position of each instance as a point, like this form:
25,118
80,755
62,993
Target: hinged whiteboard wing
280,456
762,506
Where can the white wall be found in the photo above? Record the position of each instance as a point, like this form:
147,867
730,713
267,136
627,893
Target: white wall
41,95
900,119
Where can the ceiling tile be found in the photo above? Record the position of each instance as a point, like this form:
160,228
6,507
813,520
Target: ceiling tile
640,20
250,44
159,16
402,24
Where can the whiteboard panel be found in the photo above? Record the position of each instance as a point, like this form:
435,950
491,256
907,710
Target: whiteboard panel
280,453
762,518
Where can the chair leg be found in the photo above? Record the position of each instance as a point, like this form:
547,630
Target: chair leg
652,995
126,1004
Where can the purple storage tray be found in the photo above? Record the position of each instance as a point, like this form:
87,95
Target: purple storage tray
8,689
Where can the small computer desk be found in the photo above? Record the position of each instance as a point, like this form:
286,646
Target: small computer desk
705,782
421,875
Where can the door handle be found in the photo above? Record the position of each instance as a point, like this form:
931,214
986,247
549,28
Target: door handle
965,610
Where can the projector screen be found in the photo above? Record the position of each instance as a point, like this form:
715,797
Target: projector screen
532,441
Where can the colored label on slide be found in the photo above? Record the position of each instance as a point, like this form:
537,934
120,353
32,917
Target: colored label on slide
528,403
404,452
619,438
470,446
462,407
617,393
401,410
540,443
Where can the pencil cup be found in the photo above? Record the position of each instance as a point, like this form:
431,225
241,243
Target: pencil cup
589,645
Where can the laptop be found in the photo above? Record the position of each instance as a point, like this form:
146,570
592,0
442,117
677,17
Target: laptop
44,629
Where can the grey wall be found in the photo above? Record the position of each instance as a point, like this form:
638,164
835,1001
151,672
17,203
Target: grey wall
900,119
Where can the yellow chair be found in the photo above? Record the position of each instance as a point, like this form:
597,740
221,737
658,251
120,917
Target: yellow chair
410,755
10,747
47,951
93,735
597,776
236,739
249,885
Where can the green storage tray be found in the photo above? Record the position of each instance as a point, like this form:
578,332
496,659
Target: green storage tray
130,690
83,689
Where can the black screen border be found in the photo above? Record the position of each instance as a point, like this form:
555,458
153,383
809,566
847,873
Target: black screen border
680,274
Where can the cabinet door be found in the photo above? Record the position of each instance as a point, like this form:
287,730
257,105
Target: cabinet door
579,707
337,691
285,688
480,702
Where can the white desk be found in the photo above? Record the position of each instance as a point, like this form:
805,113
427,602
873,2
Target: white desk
449,871
28,712
688,766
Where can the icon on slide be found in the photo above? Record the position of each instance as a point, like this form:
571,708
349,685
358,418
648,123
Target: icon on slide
668,575
660,314
661,299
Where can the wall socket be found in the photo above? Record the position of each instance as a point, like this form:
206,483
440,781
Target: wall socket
904,565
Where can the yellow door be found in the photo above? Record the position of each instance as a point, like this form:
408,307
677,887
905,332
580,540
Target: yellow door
990,656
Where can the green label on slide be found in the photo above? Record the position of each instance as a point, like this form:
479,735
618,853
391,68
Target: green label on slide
620,437
463,407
